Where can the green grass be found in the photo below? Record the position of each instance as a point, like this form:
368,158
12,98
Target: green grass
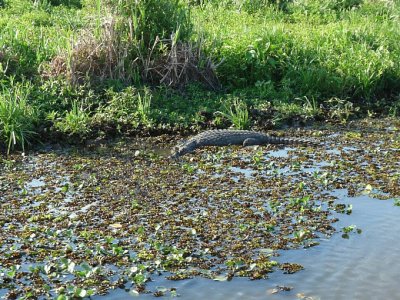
17,117
30,35
237,113
355,55
291,55
75,122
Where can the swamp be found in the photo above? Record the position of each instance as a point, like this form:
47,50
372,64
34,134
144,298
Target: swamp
94,95
121,218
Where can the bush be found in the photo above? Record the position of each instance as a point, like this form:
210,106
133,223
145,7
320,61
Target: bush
132,38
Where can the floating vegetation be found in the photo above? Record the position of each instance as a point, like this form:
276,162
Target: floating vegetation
81,222
348,229
280,288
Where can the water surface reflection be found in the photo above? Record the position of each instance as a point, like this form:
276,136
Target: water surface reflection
365,266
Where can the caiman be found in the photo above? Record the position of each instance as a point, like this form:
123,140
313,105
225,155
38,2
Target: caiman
226,137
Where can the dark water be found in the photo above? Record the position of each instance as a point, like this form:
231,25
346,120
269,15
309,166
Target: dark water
365,266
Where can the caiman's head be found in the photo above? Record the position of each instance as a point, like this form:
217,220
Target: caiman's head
183,149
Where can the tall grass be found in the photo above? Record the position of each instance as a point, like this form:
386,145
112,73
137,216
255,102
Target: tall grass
145,20
32,32
345,51
124,40
237,113
17,117
144,106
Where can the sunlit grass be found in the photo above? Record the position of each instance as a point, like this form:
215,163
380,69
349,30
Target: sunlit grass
17,117
237,113
75,122
297,56
352,54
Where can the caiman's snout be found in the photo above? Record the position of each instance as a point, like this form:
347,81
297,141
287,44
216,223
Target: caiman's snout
182,149
177,152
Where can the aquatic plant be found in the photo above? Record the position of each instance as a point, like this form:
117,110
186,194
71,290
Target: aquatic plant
340,109
348,229
218,216
143,106
75,122
237,113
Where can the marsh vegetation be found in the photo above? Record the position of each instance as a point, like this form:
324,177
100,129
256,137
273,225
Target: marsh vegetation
81,70
95,93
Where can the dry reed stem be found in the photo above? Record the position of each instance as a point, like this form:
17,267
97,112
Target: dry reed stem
106,57
183,63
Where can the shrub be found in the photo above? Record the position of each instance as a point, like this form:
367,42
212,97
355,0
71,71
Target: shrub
132,43
58,95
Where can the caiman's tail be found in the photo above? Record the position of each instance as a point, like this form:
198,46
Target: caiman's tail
291,141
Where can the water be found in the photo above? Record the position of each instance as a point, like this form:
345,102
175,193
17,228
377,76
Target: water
365,266
362,267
